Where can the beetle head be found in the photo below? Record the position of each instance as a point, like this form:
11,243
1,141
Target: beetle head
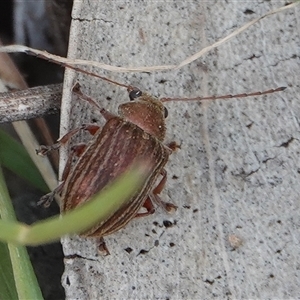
145,111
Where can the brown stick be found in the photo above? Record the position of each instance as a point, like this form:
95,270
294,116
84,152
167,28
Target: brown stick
30,103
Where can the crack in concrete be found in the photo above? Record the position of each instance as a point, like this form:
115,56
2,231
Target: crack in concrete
91,20
75,255
287,143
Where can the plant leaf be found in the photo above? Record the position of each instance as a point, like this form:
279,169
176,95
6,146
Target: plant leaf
14,157
7,281
23,275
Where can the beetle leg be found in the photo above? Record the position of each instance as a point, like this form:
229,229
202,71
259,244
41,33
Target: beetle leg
91,128
167,206
47,199
153,197
76,90
173,146
148,204
46,149
149,207
162,183
105,113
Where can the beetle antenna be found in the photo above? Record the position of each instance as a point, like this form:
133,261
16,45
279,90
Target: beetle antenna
244,95
63,64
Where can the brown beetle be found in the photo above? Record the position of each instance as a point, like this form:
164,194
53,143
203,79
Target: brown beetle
136,134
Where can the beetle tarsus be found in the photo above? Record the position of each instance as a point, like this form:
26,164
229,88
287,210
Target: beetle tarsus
169,207
44,150
174,146
46,200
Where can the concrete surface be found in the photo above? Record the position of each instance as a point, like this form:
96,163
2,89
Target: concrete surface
236,178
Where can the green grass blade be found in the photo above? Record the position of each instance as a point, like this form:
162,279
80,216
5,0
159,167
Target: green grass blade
14,157
24,278
7,281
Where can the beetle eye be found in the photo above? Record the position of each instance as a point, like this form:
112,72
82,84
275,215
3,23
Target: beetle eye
166,112
134,94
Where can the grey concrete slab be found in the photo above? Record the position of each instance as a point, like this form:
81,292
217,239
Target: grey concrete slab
236,177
